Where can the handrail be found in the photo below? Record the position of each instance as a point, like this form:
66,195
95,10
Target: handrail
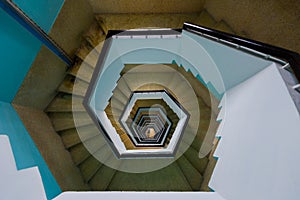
291,57
14,11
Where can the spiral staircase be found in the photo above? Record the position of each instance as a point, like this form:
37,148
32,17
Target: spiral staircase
188,172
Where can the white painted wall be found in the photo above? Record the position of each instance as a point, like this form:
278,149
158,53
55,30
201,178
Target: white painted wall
233,65
258,151
14,184
221,66
139,196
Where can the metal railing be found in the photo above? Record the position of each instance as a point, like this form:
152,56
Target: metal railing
14,11
267,51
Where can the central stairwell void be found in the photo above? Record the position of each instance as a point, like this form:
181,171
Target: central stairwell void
180,110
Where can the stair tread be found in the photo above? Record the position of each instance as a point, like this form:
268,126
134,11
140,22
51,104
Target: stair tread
92,164
193,157
117,103
70,137
82,70
136,80
210,136
80,153
89,167
119,94
88,54
63,121
95,34
103,176
169,178
66,105
122,85
192,175
207,174
71,85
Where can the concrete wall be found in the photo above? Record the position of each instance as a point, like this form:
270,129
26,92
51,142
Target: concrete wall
259,137
47,70
18,47
52,149
146,6
273,22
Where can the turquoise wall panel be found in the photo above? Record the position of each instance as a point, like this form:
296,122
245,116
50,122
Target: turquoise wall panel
25,151
234,66
18,47
42,12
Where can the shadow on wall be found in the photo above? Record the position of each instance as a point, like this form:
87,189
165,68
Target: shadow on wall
272,22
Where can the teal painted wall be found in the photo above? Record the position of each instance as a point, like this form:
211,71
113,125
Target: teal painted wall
234,65
42,12
17,52
18,47
25,151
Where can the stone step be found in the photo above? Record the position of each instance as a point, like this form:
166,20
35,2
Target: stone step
102,25
145,112
114,111
207,174
91,165
203,126
191,174
136,80
70,137
94,35
120,95
113,116
88,54
117,103
193,157
210,136
80,153
200,90
128,68
82,70
64,120
177,84
103,176
73,86
122,85
169,178
125,138
149,103
66,104
129,145
188,139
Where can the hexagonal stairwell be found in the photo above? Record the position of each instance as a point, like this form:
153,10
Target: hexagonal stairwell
188,171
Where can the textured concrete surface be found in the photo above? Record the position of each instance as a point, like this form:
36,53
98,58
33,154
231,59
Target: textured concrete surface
41,82
269,21
146,6
52,149
48,71
130,21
